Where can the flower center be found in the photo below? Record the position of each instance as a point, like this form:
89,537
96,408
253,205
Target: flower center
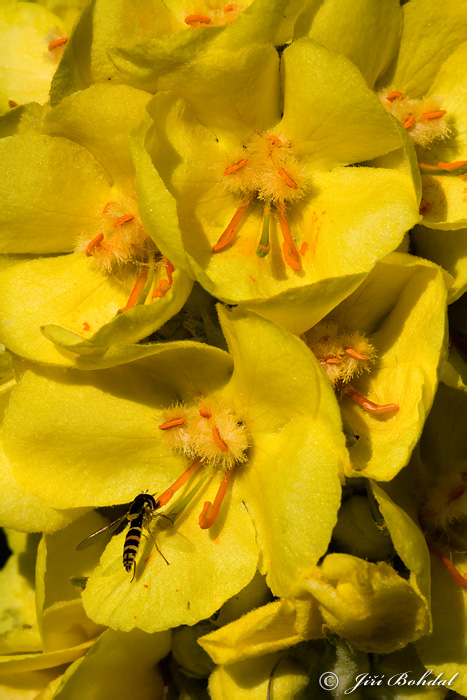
345,355
122,241
265,170
210,434
214,18
424,120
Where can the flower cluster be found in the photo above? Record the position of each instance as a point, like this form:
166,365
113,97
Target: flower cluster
233,355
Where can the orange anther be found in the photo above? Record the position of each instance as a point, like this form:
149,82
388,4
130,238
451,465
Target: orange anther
197,20
428,167
289,251
433,115
452,166
409,121
211,510
287,179
171,423
12,103
168,493
123,220
231,7
136,291
275,139
394,95
333,360
161,290
57,42
368,405
236,166
218,440
356,355
96,241
229,233
109,204
205,413
447,563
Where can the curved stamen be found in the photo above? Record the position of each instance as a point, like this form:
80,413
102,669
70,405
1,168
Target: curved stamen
136,291
368,405
287,179
168,493
290,252
218,440
229,233
211,510
447,563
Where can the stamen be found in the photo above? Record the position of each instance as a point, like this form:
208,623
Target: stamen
236,166
433,115
197,20
229,233
291,255
96,241
457,493
452,166
394,95
218,440
447,563
171,423
168,493
57,42
109,204
211,510
161,290
428,167
303,247
205,413
287,179
356,355
275,139
264,244
368,405
123,220
136,291
231,7
409,121
333,360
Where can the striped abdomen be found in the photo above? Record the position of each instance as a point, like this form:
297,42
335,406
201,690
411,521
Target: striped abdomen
132,540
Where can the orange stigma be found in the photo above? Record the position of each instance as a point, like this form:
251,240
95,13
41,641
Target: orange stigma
236,166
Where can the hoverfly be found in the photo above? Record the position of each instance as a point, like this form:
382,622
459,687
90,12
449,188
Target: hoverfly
139,514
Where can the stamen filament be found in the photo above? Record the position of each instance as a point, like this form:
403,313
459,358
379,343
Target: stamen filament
181,504
168,493
356,355
197,20
123,220
433,115
452,166
264,244
447,563
394,95
428,167
236,166
96,241
171,423
291,255
229,233
409,121
57,42
211,510
218,440
136,291
368,405
287,179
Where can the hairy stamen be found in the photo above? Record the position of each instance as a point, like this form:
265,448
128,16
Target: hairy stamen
368,405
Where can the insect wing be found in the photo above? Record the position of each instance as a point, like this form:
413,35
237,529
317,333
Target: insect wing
99,535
